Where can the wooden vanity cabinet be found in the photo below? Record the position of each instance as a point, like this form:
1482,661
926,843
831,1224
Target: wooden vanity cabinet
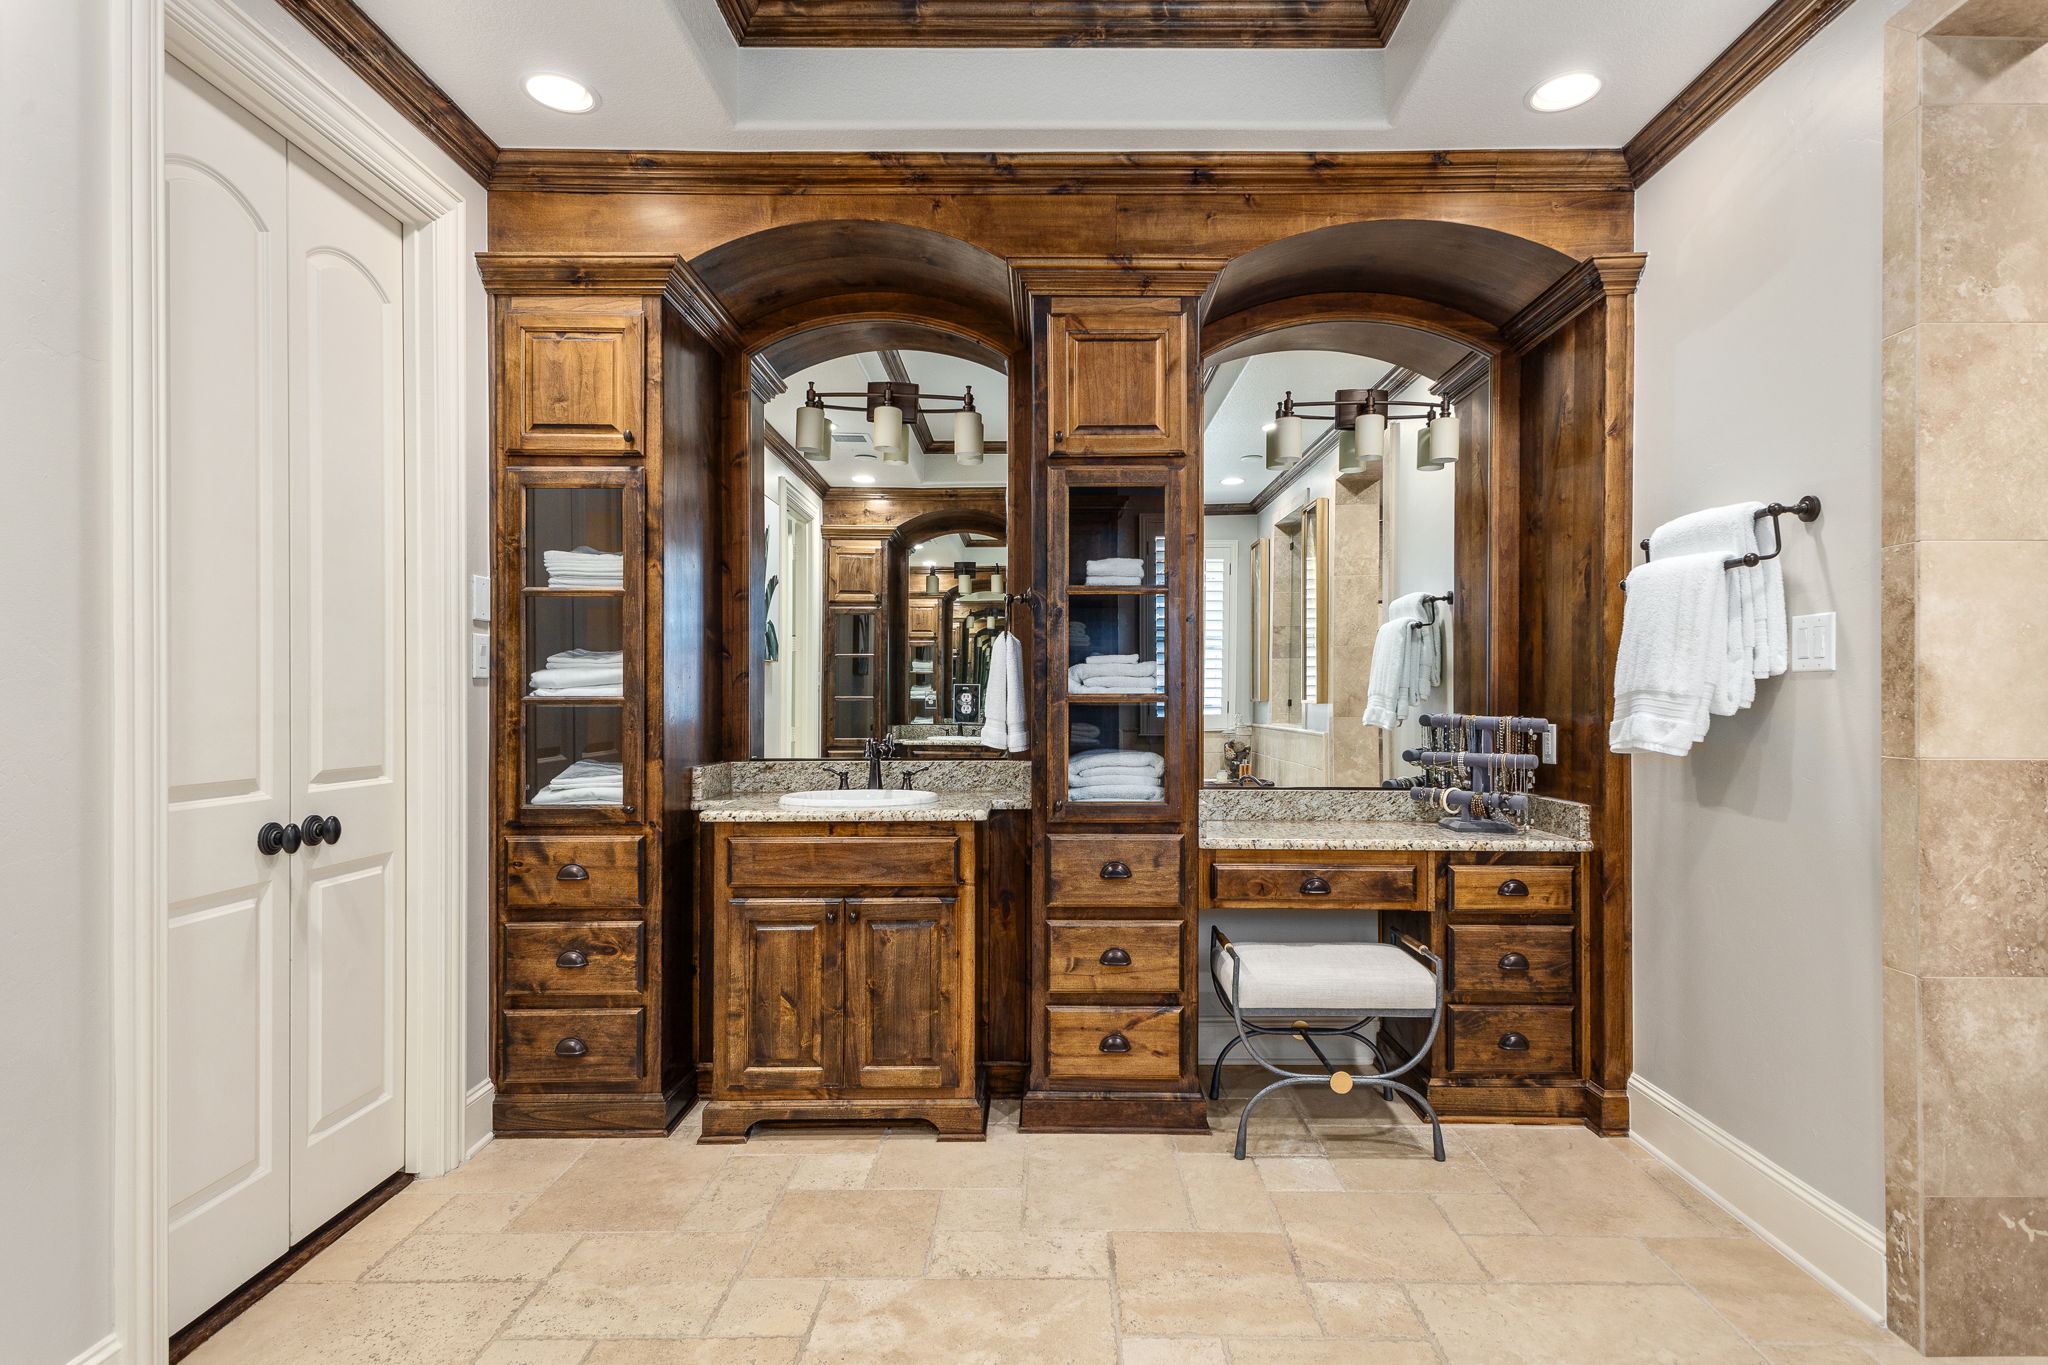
842,975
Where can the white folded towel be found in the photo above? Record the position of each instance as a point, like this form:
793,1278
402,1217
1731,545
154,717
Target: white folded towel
1110,659
611,689
587,782
1115,581
1126,791
1006,726
580,677
1116,758
585,658
1131,677
1725,532
1120,568
1672,662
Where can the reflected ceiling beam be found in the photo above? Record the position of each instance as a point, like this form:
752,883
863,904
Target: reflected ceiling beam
899,373
1343,24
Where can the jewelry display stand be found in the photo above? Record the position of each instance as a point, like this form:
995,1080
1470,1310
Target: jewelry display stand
1495,756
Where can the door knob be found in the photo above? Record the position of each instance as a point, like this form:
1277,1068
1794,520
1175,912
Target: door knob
1115,957
275,838
572,1047
571,958
1115,870
317,830
1315,886
1116,1042
1514,886
573,872
1513,1042
1513,962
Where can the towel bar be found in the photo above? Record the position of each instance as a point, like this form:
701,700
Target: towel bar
1806,509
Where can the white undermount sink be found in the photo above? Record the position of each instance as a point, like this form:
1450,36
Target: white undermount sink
858,798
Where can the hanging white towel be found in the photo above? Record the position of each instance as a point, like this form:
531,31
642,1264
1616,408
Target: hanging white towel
1006,726
1407,663
1673,659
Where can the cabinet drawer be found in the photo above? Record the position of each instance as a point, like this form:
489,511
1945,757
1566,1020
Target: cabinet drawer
1511,959
1111,957
1513,1040
574,1046
1509,890
1091,1042
1350,887
595,872
1114,869
573,959
869,864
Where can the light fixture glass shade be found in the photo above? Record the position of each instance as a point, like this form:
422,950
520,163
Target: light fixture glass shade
1425,451
1443,440
967,438
1349,461
813,433
889,435
1272,447
1371,432
1286,442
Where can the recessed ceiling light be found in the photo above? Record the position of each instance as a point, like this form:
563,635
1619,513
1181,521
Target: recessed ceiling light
561,93
1560,93
1232,482
863,478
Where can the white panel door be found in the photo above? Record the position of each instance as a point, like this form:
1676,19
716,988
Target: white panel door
347,702
230,691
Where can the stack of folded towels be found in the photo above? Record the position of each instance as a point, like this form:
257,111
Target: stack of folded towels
586,782
1077,635
584,567
1116,775
1115,572
580,673
1695,634
1083,735
1123,673
1407,663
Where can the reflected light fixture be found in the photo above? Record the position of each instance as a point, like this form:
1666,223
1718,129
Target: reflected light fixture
1560,93
1363,436
891,407
563,94
1232,482
863,478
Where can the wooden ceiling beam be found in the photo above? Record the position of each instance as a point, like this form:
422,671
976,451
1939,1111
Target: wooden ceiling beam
1352,24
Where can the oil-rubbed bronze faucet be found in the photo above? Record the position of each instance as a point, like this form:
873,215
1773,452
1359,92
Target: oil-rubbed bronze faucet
875,750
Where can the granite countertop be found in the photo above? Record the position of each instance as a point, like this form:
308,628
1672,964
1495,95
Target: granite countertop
945,741
1418,835
768,809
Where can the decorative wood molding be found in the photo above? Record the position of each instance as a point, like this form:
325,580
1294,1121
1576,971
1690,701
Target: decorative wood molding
1761,49
623,272
1463,377
1123,276
1063,23
763,378
1228,509
806,471
369,52
591,171
1577,290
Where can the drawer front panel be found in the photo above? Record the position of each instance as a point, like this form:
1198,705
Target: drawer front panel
1511,959
1309,883
1115,869
574,959
1504,889
864,863
559,1047
595,872
1113,957
1097,1043
1516,1040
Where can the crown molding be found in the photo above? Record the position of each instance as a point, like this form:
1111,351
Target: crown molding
1349,24
763,378
622,272
595,171
804,470
1228,509
1585,284
1463,377
1124,276
1762,48
369,52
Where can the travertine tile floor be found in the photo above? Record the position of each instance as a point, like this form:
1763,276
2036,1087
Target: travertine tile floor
1341,1244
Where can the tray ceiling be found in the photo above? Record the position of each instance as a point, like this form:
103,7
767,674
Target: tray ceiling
1062,23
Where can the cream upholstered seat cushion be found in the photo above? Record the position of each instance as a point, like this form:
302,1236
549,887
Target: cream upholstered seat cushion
1350,979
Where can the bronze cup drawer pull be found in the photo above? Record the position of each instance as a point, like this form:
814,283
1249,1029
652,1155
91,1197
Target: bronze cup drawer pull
1514,886
1316,886
573,872
1116,870
1513,1042
572,1047
1514,962
1116,1042
1114,957
572,958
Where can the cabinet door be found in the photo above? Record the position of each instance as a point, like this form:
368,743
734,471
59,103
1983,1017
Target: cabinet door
854,571
573,381
1117,378
782,996
904,1023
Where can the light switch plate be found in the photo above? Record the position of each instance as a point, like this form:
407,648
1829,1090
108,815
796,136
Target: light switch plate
1813,643
1550,743
479,597
480,654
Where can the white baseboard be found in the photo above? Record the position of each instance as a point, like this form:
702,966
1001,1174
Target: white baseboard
105,1351
476,1119
1842,1251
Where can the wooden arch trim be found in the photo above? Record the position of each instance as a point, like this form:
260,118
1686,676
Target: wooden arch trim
1240,334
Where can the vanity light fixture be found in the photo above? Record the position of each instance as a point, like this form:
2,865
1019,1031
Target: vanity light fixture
1361,417
1560,93
891,407
563,94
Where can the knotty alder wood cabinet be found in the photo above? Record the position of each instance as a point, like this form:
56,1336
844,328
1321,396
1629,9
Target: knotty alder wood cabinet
608,373
842,981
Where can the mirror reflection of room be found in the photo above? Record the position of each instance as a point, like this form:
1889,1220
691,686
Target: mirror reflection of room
1328,559
886,555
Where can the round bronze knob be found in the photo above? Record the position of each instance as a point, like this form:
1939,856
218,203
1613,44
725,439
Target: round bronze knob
1315,886
1115,957
1116,1042
1116,870
1513,1042
1513,962
572,957
571,1047
1514,886
573,872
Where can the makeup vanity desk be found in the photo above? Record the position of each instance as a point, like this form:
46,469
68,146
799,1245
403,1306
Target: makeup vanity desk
1507,914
